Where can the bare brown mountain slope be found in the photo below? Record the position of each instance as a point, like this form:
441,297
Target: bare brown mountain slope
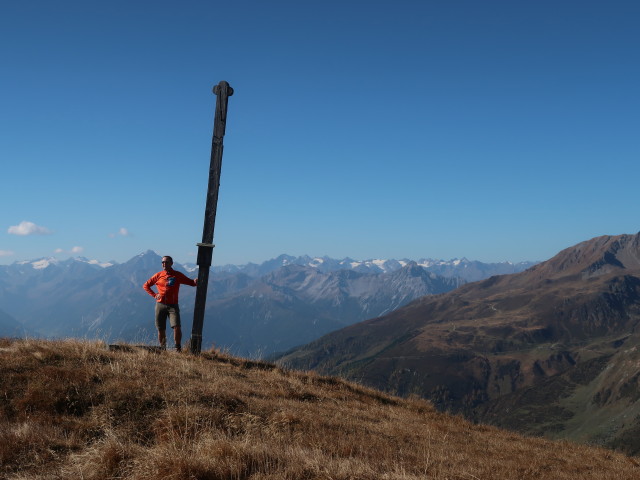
532,351
75,410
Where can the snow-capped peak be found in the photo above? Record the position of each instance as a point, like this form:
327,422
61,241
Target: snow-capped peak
94,262
44,263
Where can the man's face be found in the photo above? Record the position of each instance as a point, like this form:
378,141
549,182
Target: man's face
166,263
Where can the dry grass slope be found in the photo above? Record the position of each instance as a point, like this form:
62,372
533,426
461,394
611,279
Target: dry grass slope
76,410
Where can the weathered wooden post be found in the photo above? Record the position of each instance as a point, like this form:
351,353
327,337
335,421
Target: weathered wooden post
205,249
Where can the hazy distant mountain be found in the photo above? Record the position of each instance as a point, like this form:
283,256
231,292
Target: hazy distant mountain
10,327
251,310
472,270
296,304
461,268
554,350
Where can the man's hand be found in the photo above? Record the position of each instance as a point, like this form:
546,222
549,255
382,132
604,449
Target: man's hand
157,296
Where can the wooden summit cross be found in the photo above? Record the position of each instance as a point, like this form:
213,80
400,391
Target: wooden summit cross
205,249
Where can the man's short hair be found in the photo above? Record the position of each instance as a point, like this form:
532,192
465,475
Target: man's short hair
168,258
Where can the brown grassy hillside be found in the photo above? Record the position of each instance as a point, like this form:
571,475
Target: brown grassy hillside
551,351
77,410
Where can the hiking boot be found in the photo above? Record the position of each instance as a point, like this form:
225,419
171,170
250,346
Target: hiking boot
178,348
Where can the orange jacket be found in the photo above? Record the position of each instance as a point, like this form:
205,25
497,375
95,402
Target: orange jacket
168,285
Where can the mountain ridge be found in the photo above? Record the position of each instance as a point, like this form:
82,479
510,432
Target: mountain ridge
248,314
472,350
470,270
86,298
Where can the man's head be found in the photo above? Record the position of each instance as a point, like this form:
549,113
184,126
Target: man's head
167,261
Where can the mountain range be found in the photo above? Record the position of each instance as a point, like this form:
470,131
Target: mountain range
252,310
553,350
468,270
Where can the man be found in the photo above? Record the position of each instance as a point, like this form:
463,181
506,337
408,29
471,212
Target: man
168,283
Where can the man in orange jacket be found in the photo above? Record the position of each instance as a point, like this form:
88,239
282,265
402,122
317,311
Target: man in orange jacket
168,282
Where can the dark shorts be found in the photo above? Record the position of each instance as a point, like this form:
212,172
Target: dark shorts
163,311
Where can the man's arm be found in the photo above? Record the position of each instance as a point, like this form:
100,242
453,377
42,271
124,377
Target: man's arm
149,283
186,280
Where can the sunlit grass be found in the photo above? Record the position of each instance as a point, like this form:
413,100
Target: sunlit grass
76,410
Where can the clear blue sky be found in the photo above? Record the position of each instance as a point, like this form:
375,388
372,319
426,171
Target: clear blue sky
495,130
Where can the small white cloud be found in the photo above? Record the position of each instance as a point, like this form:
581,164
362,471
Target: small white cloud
123,232
28,228
6,253
73,250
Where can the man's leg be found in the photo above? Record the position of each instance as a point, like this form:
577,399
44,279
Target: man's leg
174,319
162,338
161,324
177,336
